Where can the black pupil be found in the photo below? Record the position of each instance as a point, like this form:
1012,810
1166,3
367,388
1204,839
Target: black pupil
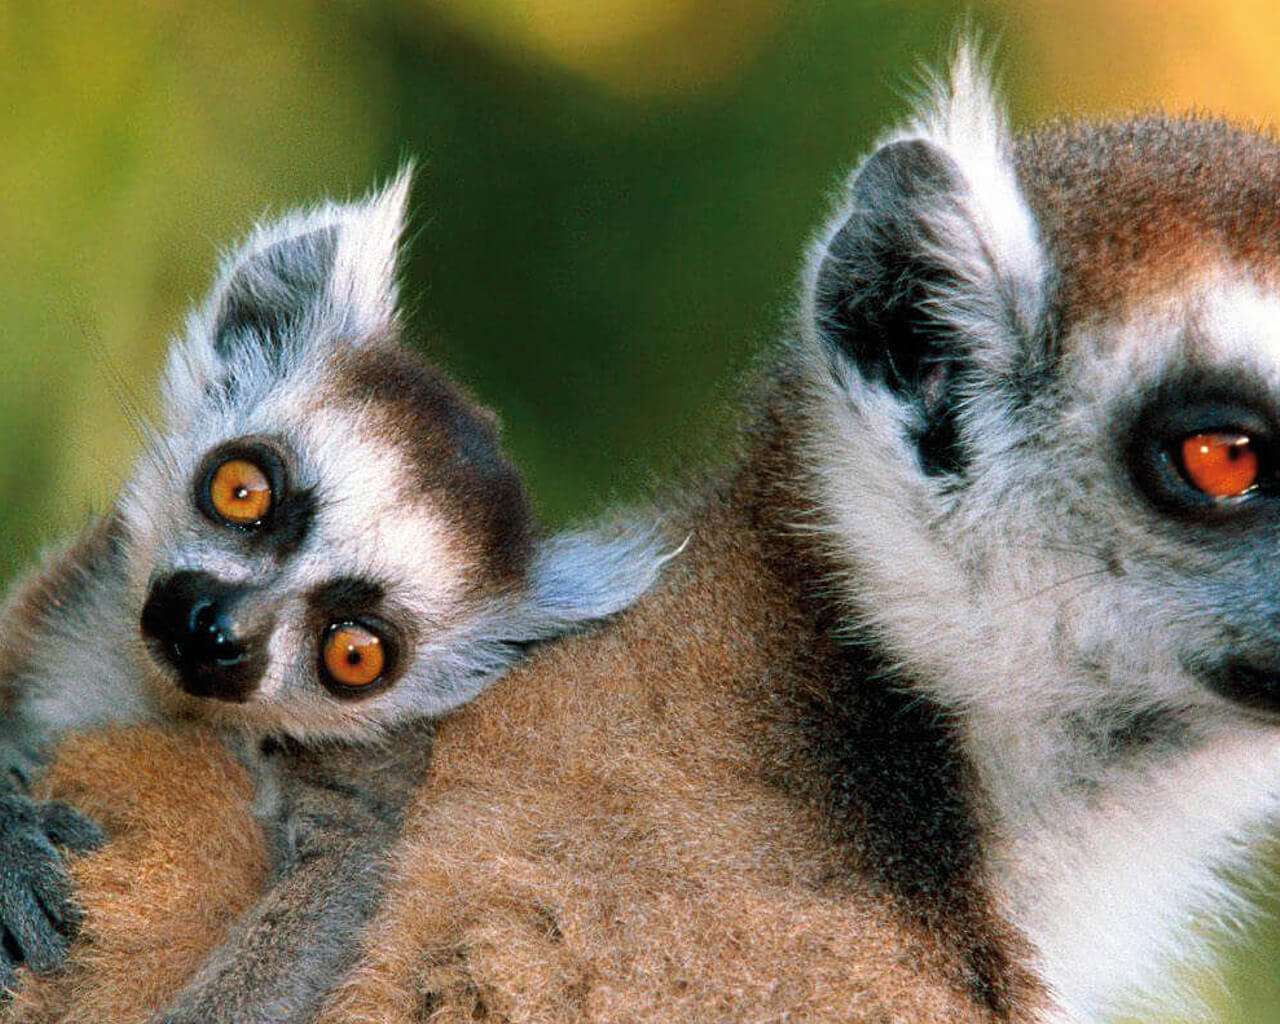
353,656
241,492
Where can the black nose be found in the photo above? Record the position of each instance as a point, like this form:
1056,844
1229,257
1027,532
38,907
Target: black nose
194,623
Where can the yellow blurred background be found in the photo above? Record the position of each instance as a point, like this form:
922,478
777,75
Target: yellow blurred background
613,200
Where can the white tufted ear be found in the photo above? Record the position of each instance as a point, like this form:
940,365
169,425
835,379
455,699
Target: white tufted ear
934,258
332,267
363,286
961,115
309,283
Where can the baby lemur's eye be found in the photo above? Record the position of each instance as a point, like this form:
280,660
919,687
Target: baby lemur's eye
353,655
243,484
240,492
1220,465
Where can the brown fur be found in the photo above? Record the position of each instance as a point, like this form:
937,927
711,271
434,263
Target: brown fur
452,445
1133,207
644,823
632,827
186,859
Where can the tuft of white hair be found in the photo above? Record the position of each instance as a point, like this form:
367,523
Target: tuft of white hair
986,235
362,294
989,240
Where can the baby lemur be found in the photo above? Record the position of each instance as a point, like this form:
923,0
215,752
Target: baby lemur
321,547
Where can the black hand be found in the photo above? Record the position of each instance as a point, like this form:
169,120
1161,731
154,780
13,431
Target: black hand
66,826
37,913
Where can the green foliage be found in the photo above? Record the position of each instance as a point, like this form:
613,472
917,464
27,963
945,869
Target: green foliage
596,265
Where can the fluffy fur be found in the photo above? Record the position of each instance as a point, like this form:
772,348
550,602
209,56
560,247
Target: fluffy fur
957,701
170,885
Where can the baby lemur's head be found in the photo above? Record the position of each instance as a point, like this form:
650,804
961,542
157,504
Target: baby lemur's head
1047,375
325,534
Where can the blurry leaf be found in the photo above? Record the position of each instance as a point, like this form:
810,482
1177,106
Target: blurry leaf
631,47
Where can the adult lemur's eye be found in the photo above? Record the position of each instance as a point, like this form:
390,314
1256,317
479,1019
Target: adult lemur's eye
240,492
353,655
1220,465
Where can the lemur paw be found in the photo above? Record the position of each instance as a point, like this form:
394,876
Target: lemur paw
38,915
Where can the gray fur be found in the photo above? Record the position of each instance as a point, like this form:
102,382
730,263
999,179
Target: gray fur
271,289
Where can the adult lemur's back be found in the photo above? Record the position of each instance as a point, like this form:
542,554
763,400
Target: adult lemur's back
967,684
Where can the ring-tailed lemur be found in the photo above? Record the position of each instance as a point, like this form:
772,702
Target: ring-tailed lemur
323,545
985,623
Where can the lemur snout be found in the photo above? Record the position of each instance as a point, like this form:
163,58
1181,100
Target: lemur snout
193,623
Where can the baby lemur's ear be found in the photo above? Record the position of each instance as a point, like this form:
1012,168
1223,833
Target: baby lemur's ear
307,283
331,270
933,266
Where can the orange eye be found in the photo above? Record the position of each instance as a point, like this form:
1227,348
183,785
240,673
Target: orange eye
1220,465
354,655
240,492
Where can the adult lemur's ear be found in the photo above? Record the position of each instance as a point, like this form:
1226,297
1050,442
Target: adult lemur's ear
934,263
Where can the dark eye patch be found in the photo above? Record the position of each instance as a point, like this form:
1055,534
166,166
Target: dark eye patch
345,596
287,524
1215,403
292,523
261,453
354,600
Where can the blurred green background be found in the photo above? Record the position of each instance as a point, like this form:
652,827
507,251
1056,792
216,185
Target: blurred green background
612,202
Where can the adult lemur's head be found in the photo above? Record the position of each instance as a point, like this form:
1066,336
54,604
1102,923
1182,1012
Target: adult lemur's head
325,534
1051,385
1044,423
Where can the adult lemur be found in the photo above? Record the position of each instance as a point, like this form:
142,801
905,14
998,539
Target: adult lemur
969,685
322,546
968,682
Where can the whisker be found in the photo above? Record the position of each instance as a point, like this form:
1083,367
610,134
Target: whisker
117,383
1048,588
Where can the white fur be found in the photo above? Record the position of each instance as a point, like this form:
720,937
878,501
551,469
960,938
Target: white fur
362,290
360,301
997,248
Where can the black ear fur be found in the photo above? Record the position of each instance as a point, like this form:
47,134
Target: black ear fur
877,282
271,290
